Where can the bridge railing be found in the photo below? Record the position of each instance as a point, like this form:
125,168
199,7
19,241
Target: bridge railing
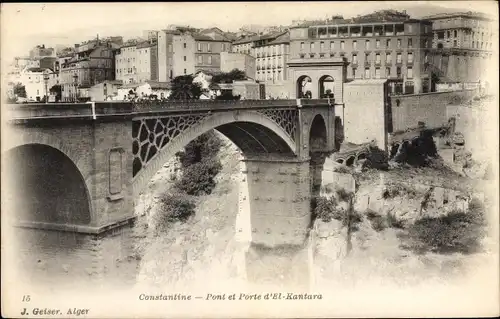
117,108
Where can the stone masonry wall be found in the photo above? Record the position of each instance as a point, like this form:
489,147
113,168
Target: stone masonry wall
68,258
363,115
408,110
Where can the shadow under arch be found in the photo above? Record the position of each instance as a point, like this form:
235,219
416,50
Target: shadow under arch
252,132
317,134
44,185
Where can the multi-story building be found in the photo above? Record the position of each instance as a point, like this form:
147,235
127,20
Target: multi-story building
33,80
150,35
136,62
271,52
244,62
186,51
92,63
272,58
384,45
462,45
41,51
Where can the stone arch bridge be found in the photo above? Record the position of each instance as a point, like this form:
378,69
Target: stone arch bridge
78,167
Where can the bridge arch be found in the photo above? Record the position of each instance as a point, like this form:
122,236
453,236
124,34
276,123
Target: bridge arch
45,186
241,127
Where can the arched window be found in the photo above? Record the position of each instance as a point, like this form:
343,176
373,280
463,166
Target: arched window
304,87
326,87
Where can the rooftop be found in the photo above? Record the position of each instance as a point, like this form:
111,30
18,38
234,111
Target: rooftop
469,14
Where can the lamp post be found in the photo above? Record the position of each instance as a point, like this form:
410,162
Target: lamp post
46,78
75,83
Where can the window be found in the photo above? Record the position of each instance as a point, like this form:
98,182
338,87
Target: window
377,58
387,72
185,71
410,43
426,57
332,45
377,73
410,73
398,58
410,27
377,43
209,59
200,59
199,46
410,57
448,34
302,45
388,58
367,73
367,57
388,43
185,46
367,44
354,73
440,35
399,43
170,48
322,46
171,74
209,47
312,46
184,58
355,59
398,72
342,45
354,45
455,43
455,33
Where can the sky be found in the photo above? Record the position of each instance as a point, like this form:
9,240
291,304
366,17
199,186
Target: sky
25,25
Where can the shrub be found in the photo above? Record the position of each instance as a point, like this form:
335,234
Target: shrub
394,190
199,178
393,222
343,195
457,231
376,220
342,169
173,207
204,146
325,208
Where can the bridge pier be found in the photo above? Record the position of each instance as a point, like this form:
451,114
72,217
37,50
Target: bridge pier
274,217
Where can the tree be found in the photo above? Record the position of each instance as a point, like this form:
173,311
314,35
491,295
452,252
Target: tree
183,88
229,77
20,90
57,91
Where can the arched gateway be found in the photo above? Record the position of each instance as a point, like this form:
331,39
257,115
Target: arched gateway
101,156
